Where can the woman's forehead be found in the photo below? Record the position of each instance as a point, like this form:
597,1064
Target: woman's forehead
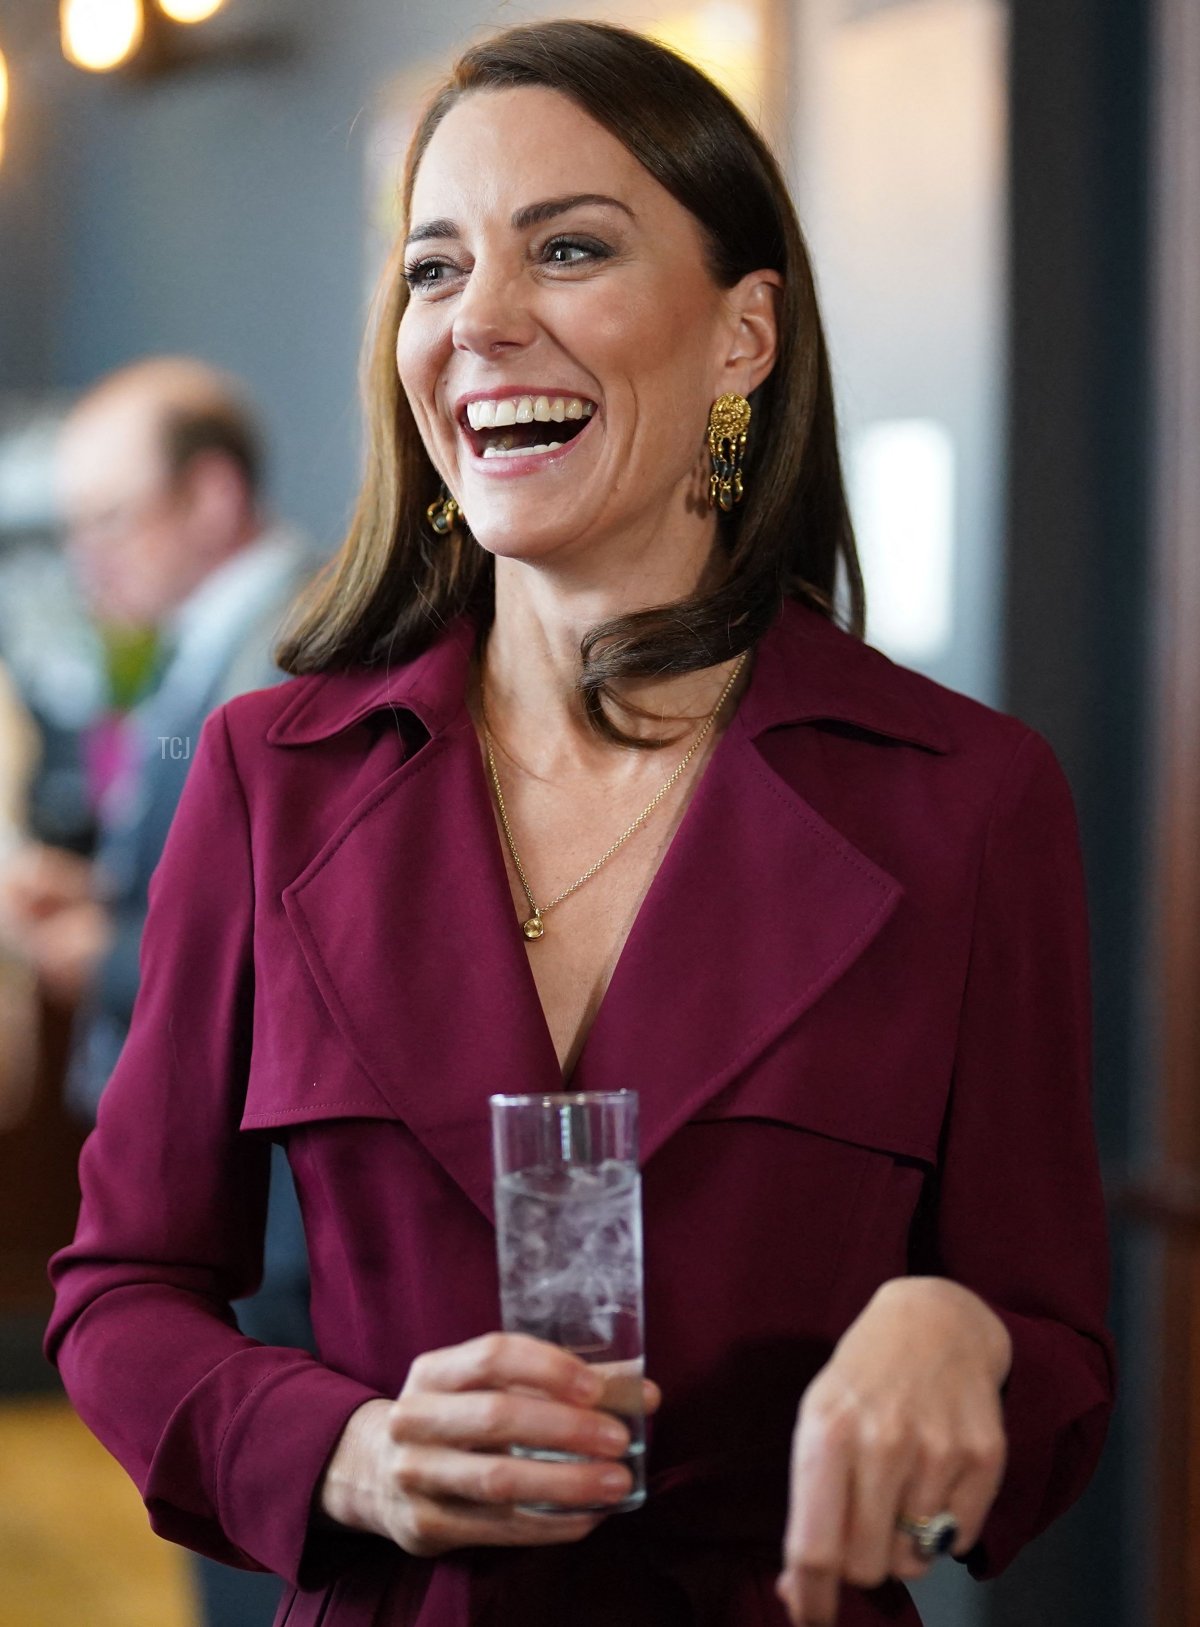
522,144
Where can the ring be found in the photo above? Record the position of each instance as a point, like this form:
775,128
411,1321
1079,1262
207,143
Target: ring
932,1537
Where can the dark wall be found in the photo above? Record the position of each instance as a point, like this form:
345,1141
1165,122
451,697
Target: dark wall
1075,636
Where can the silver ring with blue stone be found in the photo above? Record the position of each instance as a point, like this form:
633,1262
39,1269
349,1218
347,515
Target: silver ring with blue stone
932,1537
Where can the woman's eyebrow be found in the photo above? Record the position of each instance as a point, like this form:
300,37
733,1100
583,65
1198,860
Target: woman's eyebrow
533,214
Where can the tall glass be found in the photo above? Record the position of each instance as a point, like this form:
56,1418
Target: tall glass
569,1241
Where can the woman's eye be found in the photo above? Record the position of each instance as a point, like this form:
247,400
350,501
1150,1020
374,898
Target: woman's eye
573,246
426,275
418,275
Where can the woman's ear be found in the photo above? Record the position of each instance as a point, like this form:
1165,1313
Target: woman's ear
754,308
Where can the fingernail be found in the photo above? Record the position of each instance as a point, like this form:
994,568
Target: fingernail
615,1480
613,1435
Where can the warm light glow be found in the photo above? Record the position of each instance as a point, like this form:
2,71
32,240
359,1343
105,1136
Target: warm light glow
189,11
100,34
723,38
3,101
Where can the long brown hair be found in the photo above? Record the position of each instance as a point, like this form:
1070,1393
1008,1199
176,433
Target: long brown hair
393,583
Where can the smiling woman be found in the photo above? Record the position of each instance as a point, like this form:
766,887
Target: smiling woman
574,285
579,654
638,225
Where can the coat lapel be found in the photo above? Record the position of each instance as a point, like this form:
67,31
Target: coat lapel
424,972
758,907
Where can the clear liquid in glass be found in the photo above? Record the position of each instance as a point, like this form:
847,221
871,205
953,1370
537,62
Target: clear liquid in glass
570,1253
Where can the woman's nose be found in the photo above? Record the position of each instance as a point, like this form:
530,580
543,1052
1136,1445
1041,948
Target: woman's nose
492,310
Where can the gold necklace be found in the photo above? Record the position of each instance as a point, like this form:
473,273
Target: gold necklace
534,927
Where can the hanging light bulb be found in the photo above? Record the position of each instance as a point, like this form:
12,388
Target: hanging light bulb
189,11
100,34
3,100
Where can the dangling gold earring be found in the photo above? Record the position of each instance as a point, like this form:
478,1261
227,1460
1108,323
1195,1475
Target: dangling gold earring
727,423
443,513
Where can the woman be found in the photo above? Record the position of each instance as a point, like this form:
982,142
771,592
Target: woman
579,781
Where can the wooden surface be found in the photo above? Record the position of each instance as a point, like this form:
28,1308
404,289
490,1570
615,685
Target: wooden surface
76,1548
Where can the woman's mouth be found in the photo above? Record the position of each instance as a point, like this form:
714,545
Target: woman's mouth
521,431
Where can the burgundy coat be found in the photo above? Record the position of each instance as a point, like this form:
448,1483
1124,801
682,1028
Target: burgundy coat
855,1006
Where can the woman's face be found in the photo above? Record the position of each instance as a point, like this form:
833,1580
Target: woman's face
555,281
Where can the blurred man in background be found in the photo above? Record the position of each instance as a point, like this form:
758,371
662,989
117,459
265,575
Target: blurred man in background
159,476
160,470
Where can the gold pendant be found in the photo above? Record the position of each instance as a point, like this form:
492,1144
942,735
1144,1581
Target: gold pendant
533,928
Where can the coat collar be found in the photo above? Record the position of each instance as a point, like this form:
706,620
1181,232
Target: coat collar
806,671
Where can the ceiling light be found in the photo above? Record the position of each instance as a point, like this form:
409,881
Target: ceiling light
189,11
100,34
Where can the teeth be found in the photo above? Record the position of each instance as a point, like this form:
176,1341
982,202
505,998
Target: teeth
526,409
519,451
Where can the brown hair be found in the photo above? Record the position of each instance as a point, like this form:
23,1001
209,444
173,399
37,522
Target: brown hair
393,583
226,427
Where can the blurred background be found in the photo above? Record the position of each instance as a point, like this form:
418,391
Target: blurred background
1003,205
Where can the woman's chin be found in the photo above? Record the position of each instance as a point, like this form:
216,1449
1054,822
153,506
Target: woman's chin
529,543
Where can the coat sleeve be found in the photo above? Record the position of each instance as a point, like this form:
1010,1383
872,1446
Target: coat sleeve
226,1438
1017,1211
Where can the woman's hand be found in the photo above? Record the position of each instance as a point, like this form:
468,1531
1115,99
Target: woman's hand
905,1418
432,1471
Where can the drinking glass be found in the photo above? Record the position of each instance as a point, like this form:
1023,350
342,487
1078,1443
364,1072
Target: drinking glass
569,1242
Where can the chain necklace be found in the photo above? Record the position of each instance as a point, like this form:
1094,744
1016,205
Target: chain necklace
534,927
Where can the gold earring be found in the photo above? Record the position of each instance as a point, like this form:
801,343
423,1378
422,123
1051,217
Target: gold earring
727,423
443,513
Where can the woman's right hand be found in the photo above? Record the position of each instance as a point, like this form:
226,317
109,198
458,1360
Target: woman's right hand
432,1471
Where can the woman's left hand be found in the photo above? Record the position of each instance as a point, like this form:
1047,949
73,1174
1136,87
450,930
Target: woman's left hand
904,1419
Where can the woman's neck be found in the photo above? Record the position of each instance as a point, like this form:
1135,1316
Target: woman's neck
530,663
